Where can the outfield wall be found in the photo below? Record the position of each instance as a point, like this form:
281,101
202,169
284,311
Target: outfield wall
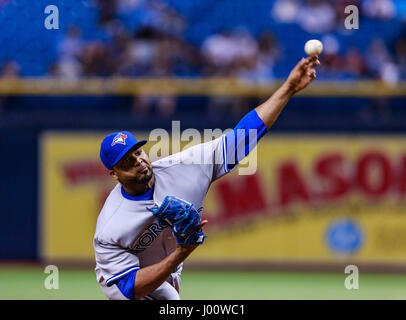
18,195
277,215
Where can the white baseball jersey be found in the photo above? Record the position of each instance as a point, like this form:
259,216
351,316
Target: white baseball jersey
128,236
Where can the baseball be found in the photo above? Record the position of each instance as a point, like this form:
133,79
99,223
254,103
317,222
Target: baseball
313,47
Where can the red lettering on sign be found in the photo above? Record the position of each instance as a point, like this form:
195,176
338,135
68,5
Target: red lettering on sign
330,168
240,195
83,171
402,175
290,185
374,174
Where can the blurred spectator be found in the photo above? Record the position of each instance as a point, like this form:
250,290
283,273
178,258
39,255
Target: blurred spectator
107,10
354,63
332,61
10,69
128,5
376,56
96,60
168,21
380,62
246,44
389,73
219,51
259,67
153,13
317,16
227,52
120,46
286,11
379,9
144,49
67,68
71,45
269,48
400,52
177,54
69,51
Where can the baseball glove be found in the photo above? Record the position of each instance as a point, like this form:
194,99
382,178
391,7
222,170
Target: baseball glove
183,219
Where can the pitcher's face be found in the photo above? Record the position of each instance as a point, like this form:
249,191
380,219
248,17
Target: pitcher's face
134,167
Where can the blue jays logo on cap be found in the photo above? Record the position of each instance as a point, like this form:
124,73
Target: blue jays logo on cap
116,145
119,138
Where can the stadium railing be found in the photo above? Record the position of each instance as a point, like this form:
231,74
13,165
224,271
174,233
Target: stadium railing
191,87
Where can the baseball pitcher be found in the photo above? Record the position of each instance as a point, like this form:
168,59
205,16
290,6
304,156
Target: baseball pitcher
151,221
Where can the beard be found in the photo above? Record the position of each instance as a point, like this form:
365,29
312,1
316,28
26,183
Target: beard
143,178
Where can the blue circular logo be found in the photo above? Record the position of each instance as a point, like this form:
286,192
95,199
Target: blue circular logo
344,236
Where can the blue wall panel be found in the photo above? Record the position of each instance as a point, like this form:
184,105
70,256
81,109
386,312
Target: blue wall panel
18,195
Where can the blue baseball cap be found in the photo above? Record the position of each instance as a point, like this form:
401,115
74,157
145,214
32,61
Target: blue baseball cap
116,145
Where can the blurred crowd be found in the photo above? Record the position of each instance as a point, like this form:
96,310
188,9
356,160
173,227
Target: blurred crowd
379,60
151,51
157,47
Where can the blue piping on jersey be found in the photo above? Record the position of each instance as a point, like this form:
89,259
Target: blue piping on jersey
146,196
225,155
114,278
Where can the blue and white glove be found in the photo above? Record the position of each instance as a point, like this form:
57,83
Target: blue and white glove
183,219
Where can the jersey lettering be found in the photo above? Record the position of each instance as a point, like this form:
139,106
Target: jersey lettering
148,237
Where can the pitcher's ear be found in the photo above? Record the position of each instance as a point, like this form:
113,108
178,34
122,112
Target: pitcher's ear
113,174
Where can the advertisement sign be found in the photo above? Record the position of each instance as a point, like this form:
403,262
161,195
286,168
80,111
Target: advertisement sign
311,198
